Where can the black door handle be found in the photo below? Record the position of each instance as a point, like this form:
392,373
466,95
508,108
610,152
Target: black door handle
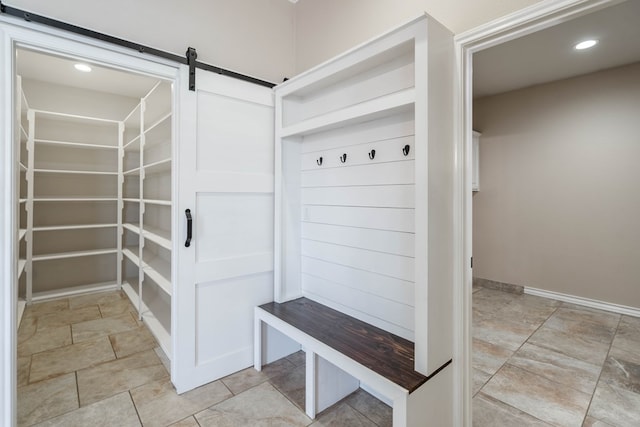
189,228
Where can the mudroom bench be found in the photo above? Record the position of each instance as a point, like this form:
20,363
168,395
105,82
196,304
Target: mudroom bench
342,352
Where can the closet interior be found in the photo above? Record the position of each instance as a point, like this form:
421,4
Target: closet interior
95,190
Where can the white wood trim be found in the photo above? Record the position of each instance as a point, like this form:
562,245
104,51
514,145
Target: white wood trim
586,302
76,290
22,304
74,116
73,254
74,172
525,21
76,144
74,227
75,199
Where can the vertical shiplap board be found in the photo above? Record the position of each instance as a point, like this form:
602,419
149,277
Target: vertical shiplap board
357,221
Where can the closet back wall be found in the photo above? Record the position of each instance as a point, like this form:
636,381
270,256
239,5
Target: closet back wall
57,274
559,207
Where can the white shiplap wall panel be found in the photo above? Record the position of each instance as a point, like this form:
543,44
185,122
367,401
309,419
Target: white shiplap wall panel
385,196
391,219
373,174
391,242
386,287
397,266
382,311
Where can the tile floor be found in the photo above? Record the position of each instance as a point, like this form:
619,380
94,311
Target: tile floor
87,361
541,362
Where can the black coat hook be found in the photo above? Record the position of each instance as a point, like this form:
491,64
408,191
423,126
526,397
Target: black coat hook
372,154
343,158
405,150
319,161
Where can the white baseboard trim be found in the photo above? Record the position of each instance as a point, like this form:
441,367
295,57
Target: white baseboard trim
601,305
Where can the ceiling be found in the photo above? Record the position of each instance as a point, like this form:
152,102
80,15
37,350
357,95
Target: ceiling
60,70
548,55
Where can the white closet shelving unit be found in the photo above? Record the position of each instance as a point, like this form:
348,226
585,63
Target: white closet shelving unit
70,220
146,205
22,138
362,147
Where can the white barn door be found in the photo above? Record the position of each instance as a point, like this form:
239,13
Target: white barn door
225,179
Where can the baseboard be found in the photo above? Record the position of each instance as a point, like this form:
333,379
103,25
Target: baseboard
601,305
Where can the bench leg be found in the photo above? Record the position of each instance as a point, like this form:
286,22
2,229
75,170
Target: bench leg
310,384
257,343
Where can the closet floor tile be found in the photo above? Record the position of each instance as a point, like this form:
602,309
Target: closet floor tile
158,404
120,375
47,399
187,422
96,299
489,357
68,317
51,363
44,339
93,329
39,308
116,307
259,406
132,341
572,344
114,411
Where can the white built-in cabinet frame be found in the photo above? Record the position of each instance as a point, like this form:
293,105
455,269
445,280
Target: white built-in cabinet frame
370,233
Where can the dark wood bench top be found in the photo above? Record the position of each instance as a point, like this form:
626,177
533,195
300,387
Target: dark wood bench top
383,352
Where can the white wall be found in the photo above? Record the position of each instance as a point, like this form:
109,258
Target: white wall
248,36
559,201
325,28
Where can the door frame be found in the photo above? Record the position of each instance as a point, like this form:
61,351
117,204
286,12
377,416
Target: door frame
537,17
17,32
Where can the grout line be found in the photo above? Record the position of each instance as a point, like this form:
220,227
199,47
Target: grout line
77,388
135,407
586,414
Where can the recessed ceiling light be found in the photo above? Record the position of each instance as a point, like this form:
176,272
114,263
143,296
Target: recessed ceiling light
83,67
586,44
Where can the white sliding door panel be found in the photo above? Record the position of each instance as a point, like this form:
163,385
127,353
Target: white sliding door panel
226,180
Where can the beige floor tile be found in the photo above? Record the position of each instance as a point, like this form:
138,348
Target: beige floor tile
257,407
374,409
544,399
571,344
24,366
132,341
292,385
27,329
111,378
592,422
114,411
40,308
187,422
488,412
621,371
594,325
340,415
47,399
489,357
247,378
68,317
51,363
505,333
557,367
163,358
158,403
616,406
491,300
93,329
44,339
480,378
116,307
298,358
628,335
96,299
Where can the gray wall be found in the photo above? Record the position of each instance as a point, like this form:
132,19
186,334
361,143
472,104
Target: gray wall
559,201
